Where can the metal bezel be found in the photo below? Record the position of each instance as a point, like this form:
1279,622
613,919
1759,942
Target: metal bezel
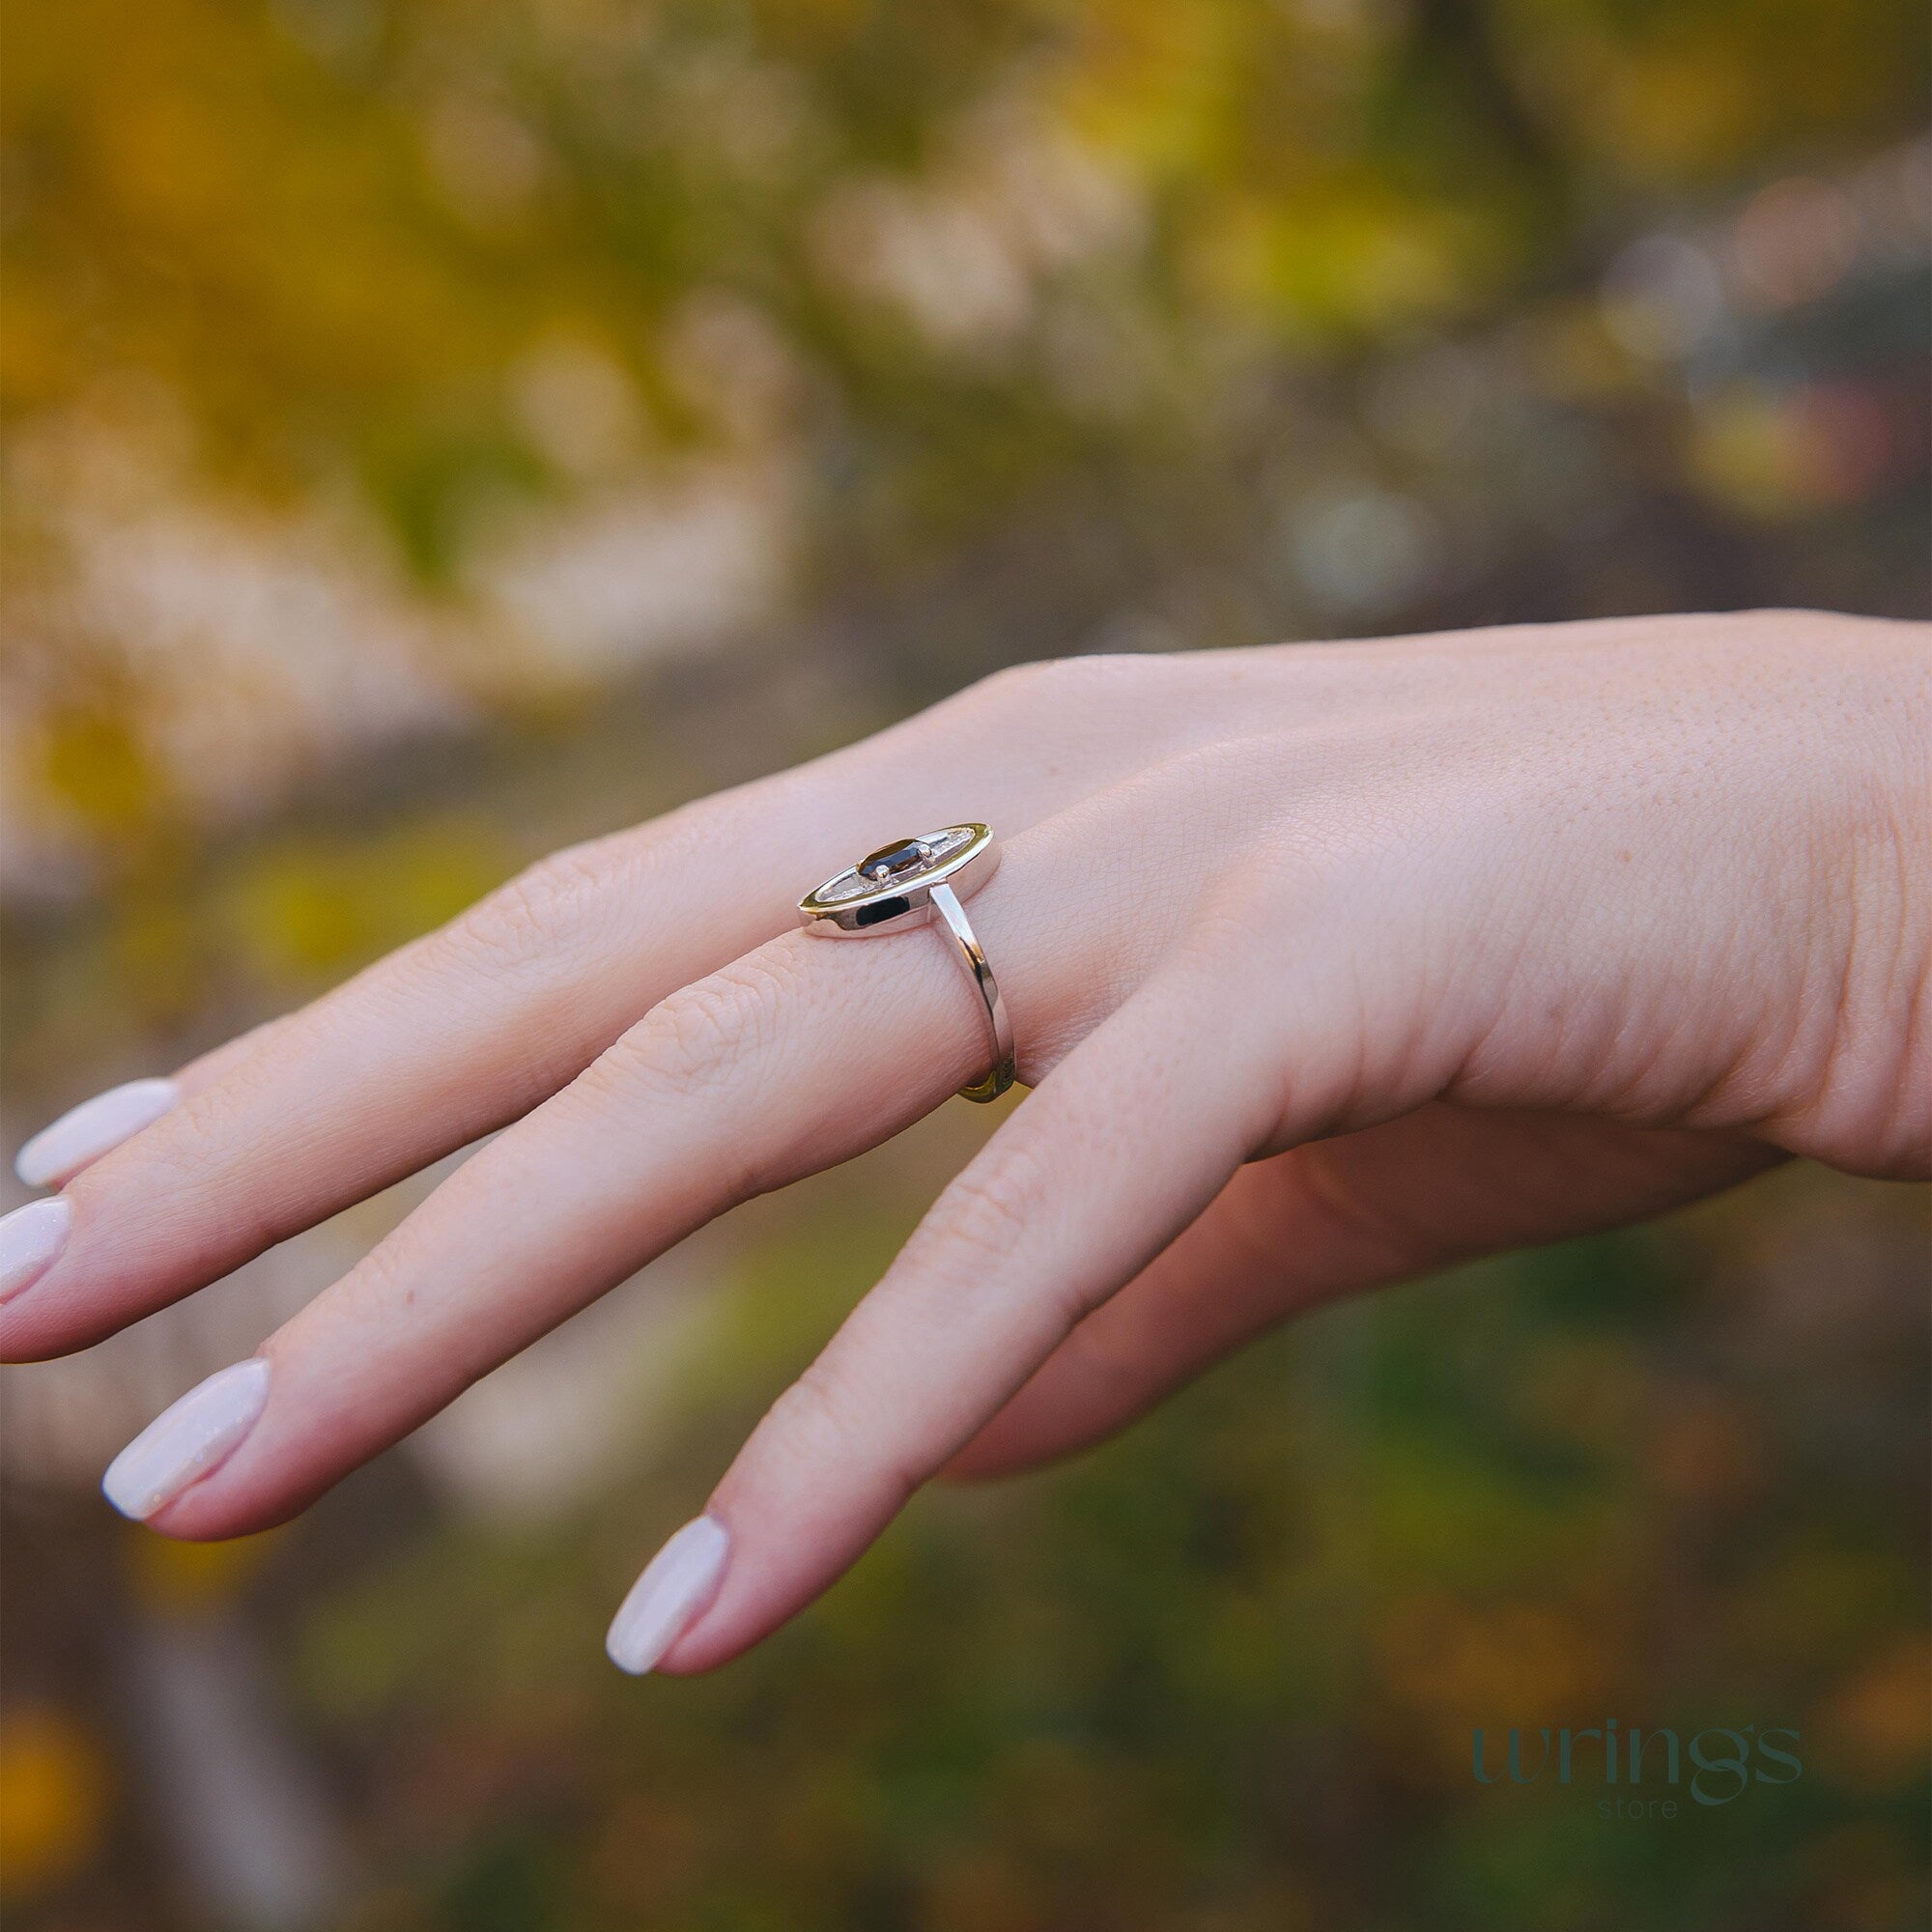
897,906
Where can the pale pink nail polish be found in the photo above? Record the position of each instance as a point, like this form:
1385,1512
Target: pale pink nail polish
30,1238
86,1132
184,1442
676,1585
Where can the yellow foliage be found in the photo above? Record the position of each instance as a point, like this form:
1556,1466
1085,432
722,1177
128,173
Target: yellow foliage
1748,451
314,905
194,1579
53,1800
1876,1728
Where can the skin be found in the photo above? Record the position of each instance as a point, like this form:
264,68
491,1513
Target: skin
1329,965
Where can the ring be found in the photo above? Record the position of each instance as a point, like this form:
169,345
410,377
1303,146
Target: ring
908,883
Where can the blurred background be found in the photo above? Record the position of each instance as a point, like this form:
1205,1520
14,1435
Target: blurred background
437,431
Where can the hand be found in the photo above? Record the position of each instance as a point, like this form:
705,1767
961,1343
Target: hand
1329,964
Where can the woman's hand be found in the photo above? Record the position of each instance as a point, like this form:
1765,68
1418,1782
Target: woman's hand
1329,964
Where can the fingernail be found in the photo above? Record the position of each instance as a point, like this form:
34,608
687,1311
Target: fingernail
86,1132
677,1584
30,1237
184,1442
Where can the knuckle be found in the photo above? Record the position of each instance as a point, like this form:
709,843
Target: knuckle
1321,867
825,1422
549,908
815,1416
203,1154
987,1214
1055,679
1013,682
707,1035
199,1127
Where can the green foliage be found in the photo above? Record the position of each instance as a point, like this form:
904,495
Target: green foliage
1222,1673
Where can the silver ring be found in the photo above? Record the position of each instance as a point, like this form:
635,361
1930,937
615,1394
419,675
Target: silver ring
914,882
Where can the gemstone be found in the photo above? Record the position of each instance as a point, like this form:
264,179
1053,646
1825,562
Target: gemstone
893,861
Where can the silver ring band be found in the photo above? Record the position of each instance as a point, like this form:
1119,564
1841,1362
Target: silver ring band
915,882
973,955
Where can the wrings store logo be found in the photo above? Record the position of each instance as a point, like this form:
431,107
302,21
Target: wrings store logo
1723,1764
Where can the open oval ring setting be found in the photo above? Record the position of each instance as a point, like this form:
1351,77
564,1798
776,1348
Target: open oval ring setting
915,882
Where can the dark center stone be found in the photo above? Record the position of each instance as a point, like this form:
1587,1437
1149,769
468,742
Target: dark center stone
892,862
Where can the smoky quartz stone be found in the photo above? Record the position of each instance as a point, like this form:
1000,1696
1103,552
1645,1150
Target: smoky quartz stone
893,861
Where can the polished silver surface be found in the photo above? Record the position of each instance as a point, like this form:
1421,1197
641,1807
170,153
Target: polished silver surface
856,903
945,903
917,882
